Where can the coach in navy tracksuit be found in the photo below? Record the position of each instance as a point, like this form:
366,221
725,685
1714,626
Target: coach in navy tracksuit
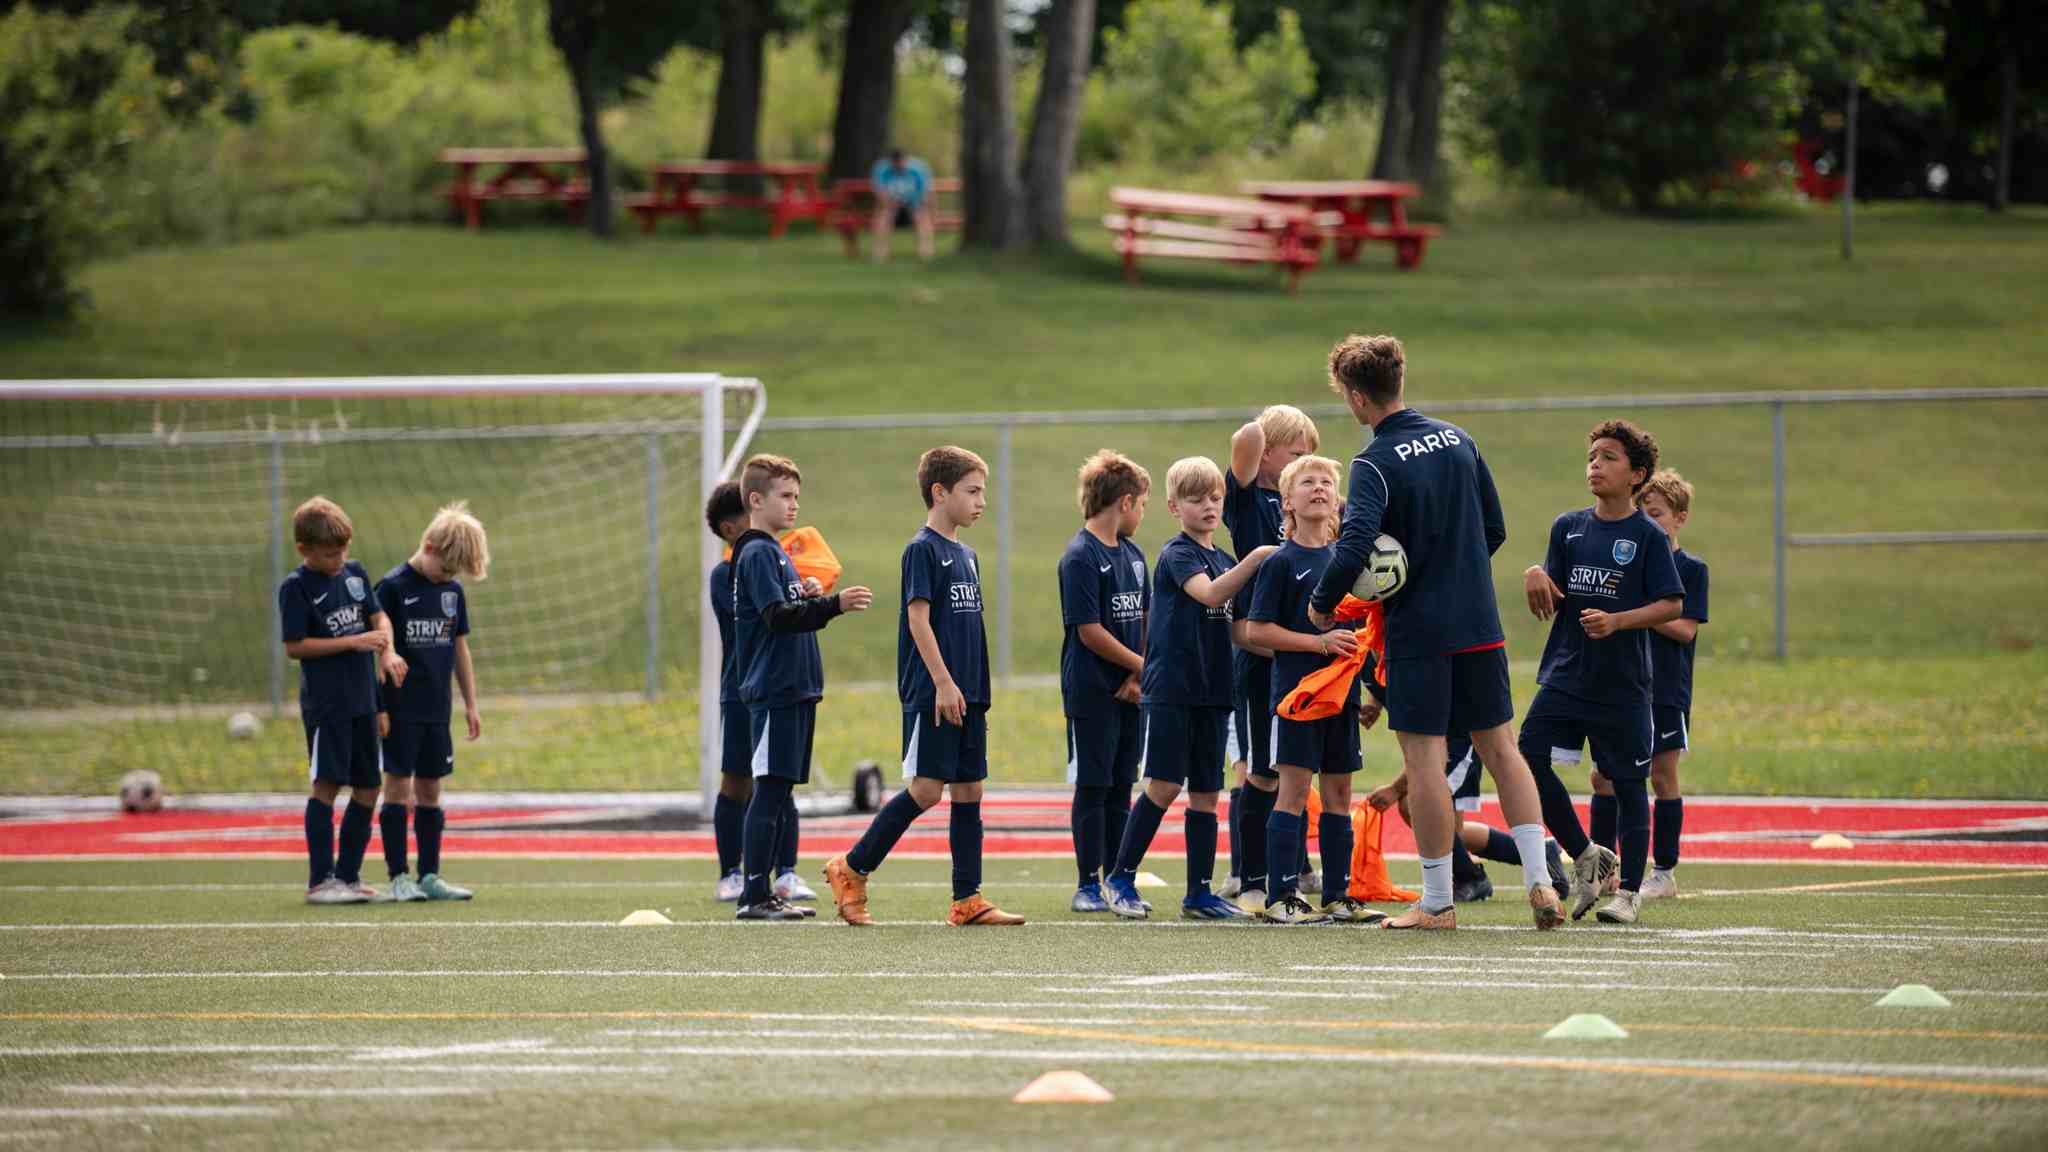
1422,481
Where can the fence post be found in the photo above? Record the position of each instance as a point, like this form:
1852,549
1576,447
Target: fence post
653,687
1006,518
710,469
276,570
1778,520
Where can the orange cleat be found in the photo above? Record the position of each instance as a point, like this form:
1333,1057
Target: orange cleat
1419,918
976,911
1548,909
849,891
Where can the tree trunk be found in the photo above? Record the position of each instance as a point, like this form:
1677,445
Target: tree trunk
867,85
990,193
1390,161
1056,121
1426,92
1849,169
573,27
736,116
2008,95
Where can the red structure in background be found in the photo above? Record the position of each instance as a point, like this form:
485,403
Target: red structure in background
1817,185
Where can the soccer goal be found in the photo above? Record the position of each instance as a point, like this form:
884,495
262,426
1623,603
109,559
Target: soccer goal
147,525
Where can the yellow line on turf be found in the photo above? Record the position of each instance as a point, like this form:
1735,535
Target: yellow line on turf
2011,874
1696,1029
1550,1063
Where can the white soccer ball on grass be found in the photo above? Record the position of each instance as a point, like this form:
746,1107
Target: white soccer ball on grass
1385,572
141,791
244,726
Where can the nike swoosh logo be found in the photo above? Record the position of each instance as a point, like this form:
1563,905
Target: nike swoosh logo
1667,735
1573,535
412,600
320,597
1640,763
1303,575
1105,567
949,564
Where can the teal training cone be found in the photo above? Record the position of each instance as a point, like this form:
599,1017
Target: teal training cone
1914,996
1587,1026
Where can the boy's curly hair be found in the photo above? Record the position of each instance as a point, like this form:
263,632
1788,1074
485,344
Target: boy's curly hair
1640,446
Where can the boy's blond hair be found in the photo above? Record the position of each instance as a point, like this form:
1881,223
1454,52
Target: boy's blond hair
946,466
1293,471
457,539
1193,477
763,469
1285,424
1106,478
1672,487
320,523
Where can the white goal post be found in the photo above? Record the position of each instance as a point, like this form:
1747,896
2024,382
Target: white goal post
308,412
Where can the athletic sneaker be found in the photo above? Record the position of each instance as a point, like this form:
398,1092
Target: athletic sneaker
1122,895
1473,891
730,887
1590,873
1621,909
1345,910
1231,888
1291,909
977,912
403,890
1210,906
1560,878
1547,907
849,891
1252,900
791,889
1311,883
1661,885
772,909
368,893
439,889
1419,918
1088,898
332,891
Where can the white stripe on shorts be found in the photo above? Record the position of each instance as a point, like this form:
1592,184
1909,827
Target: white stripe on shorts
910,751
761,747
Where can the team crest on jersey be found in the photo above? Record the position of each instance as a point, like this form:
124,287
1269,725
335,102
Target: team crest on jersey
1138,570
356,591
448,603
1624,551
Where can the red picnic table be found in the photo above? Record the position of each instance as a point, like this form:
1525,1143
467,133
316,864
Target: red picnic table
1239,231
1355,206
679,191
853,209
550,174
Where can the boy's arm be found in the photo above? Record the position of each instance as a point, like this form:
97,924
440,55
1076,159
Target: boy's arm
1247,445
1682,630
1097,639
1490,515
1240,635
1600,625
806,615
315,647
950,706
1539,581
465,679
1218,592
1686,628
390,665
1280,638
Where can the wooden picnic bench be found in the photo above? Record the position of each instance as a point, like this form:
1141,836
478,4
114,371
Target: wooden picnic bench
790,192
1356,211
546,174
853,209
1239,231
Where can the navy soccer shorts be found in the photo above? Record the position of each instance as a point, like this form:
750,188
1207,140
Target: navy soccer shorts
735,739
1440,695
954,753
1463,771
346,752
1251,729
1105,750
1186,746
423,750
1619,736
781,741
1673,728
1329,745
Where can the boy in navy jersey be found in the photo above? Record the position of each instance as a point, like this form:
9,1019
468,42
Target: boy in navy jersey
1607,578
1102,604
781,673
942,680
332,627
1667,500
429,614
1424,483
1259,451
1326,748
1186,692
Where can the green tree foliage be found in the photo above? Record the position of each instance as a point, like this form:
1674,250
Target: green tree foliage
1175,88
1347,39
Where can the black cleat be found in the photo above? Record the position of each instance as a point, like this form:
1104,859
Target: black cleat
1560,879
772,909
1472,891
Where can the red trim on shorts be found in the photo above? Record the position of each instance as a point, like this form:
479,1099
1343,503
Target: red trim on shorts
1488,647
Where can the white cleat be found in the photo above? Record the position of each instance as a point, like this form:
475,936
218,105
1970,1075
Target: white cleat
403,890
789,886
332,891
1661,885
1591,871
1231,888
1621,909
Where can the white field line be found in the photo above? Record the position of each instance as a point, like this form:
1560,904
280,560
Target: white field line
796,1034
483,1048
53,1050
1124,1005
180,1091
600,1068
143,1111
1353,975
527,973
2030,929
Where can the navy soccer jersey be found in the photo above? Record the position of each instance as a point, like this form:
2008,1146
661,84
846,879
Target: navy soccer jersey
1098,585
314,606
775,669
1187,655
721,611
1614,566
945,574
1423,482
1280,595
1253,518
1670,661
425,620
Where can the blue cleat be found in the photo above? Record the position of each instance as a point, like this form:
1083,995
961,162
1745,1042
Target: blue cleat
1122,892
1088,898
1210,906
1560,879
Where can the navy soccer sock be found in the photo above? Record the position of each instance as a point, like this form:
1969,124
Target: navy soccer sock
319,841
1139,831
764,821
1632,797
1558,814
355,840
1334,830
1085,818
1258,812
963,836
391,829
728,828
1604,813
883,832
1283,854
1670,818
1500,848
1116,816
1200,829
427,822
1463,869
1236,823
786,835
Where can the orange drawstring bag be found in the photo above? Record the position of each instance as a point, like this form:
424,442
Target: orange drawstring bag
1369,883
811,555
1321,693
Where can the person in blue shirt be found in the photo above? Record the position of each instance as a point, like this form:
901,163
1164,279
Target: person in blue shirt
1424,483
942,681
1605,581
1185,687
780,670
1102,606
332,626
903,195
429,612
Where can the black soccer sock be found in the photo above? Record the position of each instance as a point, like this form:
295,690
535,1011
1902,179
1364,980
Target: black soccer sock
355,840
1258,813
1558,814
1236,823
391,829
883,832
757,851
1139,830
1200,830
1500,848
1283,854
319,841
1463,869
427,822
1334,830
787,835
1085,818
1632,797
1116,814
963,836
1601,830
728,829
1670,818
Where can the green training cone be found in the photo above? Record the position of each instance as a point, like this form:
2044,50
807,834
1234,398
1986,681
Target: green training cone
1587,1026
1914,996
